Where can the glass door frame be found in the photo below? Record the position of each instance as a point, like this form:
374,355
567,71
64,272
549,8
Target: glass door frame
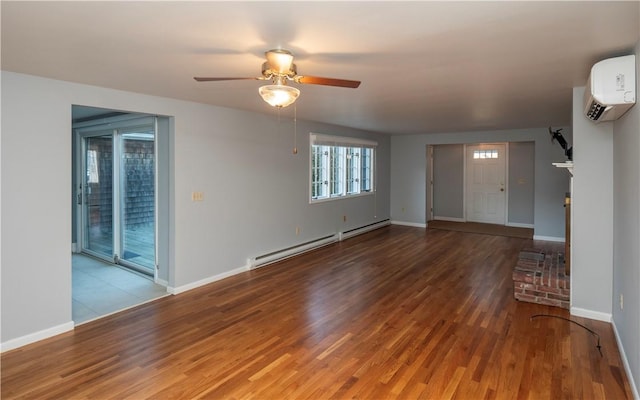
83,197
116,127
127,135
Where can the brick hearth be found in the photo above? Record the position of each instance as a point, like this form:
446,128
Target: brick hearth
539,278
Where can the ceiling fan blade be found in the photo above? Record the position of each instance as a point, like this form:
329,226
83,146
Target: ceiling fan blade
316,80
208,79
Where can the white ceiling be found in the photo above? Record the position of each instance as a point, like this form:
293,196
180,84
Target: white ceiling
425,66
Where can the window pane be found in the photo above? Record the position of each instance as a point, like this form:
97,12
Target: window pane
367,170
318,172
353,170
483,154
337,161
340,171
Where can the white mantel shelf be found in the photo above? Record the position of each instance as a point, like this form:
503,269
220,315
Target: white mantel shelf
567,164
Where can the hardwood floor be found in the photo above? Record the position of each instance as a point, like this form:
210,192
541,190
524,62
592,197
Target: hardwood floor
399,312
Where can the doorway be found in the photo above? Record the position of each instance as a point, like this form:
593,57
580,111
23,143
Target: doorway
486,183
468,182
121,210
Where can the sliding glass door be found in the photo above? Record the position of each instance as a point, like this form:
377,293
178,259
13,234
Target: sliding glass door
137,198
98,195
118,199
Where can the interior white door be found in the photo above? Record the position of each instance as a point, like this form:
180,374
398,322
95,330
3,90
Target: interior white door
486,183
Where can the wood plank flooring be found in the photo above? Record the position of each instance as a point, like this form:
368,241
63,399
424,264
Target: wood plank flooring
399,312
477,227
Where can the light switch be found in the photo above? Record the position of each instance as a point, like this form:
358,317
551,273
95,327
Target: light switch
197,196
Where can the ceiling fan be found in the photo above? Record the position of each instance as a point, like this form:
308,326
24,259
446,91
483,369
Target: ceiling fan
279,68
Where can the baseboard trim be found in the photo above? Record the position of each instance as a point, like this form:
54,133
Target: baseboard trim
161,282
452,219
519,225
625,362
206,281
548,238
36,336
404,223
597,315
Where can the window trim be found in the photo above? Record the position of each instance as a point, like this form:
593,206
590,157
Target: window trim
343,141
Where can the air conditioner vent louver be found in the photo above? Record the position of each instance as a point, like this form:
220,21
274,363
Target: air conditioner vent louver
595,111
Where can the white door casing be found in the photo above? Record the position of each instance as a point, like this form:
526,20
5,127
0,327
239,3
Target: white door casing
486,183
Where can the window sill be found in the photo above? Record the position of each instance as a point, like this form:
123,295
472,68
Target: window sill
345,197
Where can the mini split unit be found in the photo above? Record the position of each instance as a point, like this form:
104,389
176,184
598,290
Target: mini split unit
611,89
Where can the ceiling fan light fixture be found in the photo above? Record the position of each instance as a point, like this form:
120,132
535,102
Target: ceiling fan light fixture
279,95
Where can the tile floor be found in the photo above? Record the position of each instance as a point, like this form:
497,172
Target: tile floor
100,289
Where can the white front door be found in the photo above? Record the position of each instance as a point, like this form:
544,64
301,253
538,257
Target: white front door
486,184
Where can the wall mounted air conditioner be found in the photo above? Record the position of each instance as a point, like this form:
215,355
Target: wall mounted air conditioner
611,88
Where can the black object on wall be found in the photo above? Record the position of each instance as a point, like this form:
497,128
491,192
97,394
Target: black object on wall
557,135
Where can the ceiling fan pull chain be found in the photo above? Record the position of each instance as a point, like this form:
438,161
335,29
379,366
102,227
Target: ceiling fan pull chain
295,129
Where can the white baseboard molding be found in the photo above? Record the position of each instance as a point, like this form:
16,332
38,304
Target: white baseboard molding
206,281
452,219
597,315
519,225
36,336
548,238
625,362
405,223
161,282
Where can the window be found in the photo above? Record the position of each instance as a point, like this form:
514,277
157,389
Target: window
340,166
479,154
353,170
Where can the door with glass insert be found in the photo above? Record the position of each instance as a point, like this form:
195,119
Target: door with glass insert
137,198
98,196
118,196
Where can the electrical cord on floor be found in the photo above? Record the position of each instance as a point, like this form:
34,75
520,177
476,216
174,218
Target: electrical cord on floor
572,321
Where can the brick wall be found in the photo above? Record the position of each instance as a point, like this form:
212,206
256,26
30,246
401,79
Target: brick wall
138,179
539,278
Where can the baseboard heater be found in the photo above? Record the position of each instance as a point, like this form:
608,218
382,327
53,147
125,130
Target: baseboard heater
363,229
278,255
282,254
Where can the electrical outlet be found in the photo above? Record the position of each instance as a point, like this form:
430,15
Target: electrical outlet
621,301
344,218
297,230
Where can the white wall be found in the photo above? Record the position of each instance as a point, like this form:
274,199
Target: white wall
592,209
255,193
36,218
626,233
409,175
